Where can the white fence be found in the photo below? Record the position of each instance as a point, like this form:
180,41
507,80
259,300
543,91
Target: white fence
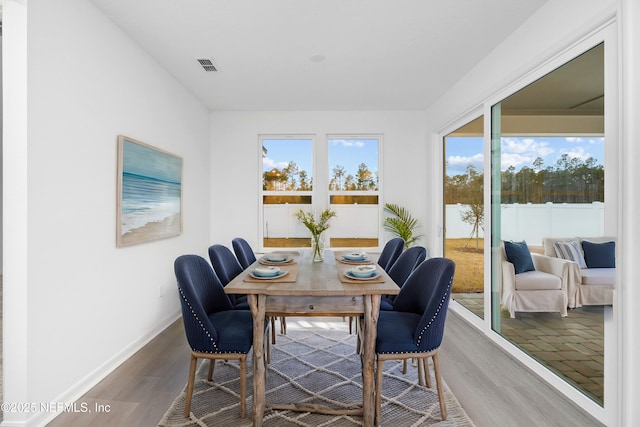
351,221
532,222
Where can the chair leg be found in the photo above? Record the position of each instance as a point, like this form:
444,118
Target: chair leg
192,376
420,372
436,369
273,330
379,370
404,366
350,325
243,388
283,325
427,374
212,365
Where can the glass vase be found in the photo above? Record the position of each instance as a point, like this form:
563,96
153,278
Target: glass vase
317,248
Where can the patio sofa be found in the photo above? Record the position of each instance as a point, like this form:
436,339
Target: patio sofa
592,276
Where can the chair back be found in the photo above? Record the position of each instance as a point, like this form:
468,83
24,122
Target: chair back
406,263
390,253
201,294
224,263
243,252
426,292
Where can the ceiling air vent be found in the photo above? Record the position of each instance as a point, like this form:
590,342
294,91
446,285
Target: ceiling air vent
207,64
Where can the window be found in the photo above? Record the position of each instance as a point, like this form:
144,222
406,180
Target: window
350,186
464,212
287,186
354,190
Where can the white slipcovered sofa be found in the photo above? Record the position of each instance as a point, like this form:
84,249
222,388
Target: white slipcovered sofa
541,290
585,286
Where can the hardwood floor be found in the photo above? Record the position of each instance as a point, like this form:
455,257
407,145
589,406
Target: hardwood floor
494,389
140,391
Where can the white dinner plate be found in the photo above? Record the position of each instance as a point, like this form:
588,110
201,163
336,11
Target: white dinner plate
280,274
265,260
350,275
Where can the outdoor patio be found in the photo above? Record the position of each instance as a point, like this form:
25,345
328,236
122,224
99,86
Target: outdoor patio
572,347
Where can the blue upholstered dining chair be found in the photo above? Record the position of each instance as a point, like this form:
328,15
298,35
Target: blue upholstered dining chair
401,269
243,252
227,267
214,329
390,253
416,327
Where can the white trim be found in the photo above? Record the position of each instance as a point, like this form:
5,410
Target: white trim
79,389
604,32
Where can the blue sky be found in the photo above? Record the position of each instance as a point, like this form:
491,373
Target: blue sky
345,152
521,151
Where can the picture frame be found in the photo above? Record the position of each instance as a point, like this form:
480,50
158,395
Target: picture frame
149,199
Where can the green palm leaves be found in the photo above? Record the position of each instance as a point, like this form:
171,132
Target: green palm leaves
402,224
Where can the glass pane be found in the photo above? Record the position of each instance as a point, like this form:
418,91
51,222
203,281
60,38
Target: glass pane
353,170
464,213
353,164
548,183
287,164
287,182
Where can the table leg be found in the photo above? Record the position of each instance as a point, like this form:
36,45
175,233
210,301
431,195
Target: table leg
371,310
257,305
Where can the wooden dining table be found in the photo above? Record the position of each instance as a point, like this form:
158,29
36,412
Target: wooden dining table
314,289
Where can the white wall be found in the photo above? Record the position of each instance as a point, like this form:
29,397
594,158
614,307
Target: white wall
552,29
88,303
236,160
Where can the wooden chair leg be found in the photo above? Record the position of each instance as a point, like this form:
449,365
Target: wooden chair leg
420,372
243,387
192,377
273,330
404,366
283,325
436,369
427,374
212,365
350,325
379,370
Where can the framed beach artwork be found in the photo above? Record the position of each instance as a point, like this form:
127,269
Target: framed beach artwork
149,193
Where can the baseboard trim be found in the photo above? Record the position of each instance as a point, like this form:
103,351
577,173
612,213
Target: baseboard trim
88,382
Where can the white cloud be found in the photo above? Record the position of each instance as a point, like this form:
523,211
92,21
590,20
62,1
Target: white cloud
579,153
477,160
515,160
526,147
348,142
268,164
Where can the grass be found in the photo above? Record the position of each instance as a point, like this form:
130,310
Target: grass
469,276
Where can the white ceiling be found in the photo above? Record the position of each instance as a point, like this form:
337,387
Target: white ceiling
375,54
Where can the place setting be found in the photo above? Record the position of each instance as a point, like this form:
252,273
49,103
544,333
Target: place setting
354,258
276,266
361,274
276,258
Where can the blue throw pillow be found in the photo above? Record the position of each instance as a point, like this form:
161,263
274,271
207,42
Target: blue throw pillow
599,255
518,254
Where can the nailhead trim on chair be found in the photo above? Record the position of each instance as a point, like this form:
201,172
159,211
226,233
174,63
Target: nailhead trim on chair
201,325
442,300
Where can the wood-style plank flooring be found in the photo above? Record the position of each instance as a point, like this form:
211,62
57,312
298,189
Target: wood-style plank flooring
494,389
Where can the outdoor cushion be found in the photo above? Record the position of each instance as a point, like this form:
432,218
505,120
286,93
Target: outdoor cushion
571,251
599,255
598,276
537,281
518,254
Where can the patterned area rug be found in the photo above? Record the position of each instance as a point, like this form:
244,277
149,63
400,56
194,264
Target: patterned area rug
314,363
